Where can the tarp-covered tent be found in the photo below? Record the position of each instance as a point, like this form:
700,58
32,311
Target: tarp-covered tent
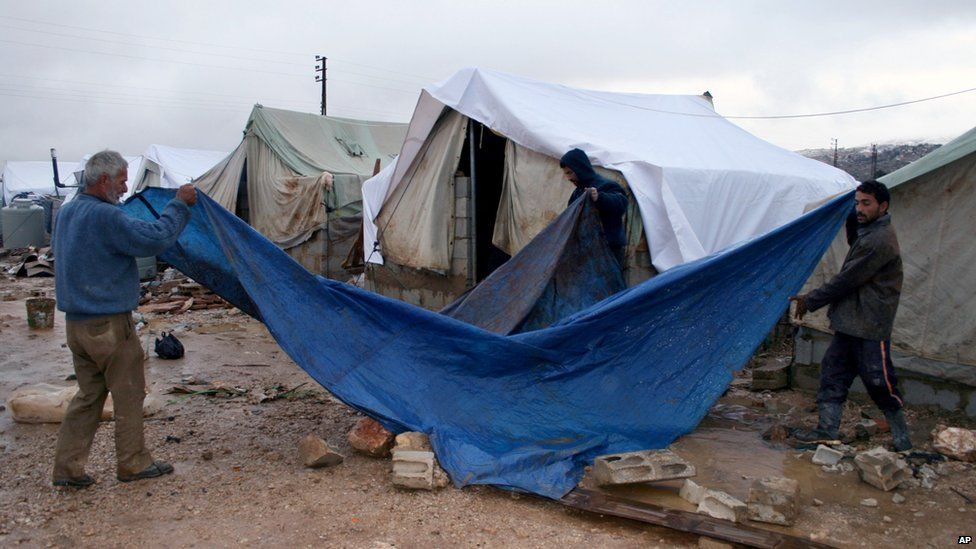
34,177
301,170
701,182
933,209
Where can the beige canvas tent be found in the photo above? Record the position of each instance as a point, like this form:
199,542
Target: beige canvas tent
297,178
933,208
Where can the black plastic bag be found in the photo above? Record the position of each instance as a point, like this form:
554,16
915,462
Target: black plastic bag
168,347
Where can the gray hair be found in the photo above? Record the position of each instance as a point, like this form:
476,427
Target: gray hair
107,162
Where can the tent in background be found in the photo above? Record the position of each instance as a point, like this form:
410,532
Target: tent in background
698,183
302,178
35,177
933,202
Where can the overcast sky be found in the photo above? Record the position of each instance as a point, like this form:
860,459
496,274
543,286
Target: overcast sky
83,76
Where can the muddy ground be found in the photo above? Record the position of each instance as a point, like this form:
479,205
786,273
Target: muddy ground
239,480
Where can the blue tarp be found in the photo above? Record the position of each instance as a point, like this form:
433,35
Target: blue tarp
529,410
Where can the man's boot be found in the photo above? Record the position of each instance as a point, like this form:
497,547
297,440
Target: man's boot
899,429
828,427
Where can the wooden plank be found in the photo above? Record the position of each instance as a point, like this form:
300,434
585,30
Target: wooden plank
676,519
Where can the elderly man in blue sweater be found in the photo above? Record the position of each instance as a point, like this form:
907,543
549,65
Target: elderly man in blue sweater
97,286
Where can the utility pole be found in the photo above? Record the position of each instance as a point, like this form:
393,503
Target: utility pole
321,77
834,143
874,160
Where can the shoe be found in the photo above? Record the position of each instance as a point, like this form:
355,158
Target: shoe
828,427
84,481
899,430
157,469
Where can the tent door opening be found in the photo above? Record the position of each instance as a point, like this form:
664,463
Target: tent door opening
485,150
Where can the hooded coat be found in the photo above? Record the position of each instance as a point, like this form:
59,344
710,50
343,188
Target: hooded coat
611,200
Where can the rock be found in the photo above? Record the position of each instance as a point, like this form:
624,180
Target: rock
927,476
412,440
718,504
955,442
776,433
869,502
866,428
691,491
315,452
705,542
44,403
773,375
773,500
207,455
641,466
886,518
817,502
371,438
882,469
826,455
898,498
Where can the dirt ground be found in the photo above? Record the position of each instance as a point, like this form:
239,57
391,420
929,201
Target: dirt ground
239,480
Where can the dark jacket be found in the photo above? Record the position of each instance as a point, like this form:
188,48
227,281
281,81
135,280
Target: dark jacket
864,295
611,200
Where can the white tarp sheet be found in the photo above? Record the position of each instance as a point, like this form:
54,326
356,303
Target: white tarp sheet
179,166
702,183
36,177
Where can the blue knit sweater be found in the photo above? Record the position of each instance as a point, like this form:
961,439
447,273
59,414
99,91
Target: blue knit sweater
95,249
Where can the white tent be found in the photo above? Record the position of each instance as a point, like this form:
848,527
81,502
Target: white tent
701,182
34,176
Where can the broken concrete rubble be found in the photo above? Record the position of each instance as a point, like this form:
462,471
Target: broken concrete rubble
718,504
410,447
826,455
773,500
315,452
882,469
371,438
642,466
955,442
866,428
773,375
691,491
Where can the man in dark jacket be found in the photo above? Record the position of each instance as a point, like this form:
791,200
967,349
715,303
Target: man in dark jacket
608,196
863,299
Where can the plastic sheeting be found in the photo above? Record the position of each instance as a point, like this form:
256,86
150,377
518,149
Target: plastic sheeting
932,212
702,183
35,177
526,411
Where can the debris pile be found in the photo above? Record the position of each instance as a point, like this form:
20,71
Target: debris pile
35,262
176,293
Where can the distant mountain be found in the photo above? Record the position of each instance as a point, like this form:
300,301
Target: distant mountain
857,161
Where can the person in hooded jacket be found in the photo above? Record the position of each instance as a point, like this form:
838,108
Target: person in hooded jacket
608,197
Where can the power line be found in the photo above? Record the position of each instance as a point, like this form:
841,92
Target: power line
779,116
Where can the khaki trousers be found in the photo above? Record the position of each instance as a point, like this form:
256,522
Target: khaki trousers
108,358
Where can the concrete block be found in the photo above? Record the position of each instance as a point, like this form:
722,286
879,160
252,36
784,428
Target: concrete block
691,491
642,466
461,206
771,376
462,228
461,248
773,500
826,455
718,504
413,469
462,187
882,469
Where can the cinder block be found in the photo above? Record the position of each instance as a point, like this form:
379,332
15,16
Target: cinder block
462,227
882,469
720,505
826,455
461,206
462,187
413,469
642,466
773,500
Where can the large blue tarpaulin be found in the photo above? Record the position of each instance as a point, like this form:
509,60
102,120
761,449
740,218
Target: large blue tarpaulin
528,410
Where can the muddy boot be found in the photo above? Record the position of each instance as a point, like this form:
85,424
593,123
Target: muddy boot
899,429
828,427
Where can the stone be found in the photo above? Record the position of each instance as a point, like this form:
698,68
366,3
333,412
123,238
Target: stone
927,476
817,502
882,469
826,455
898,498
691,491
955,442
866,428
718,504
773,500
869,502
705,542
641,466
776,433
773,375
886,518
371,438
413,469
315,452
412,440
